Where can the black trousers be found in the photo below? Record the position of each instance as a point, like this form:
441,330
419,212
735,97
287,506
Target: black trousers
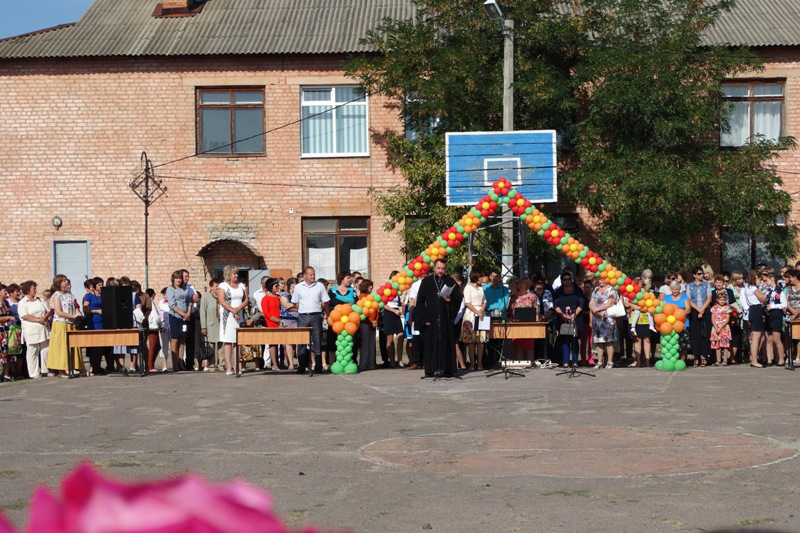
314,321
416,350
700,334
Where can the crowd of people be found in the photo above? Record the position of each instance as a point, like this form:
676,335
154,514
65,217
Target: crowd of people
731,319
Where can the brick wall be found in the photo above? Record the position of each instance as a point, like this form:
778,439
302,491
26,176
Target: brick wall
71,136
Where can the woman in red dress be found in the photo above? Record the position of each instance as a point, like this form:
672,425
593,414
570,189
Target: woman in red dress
271,307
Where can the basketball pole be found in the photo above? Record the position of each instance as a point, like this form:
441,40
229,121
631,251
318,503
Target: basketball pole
507,258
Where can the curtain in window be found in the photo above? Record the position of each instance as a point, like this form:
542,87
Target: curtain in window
321,254
351,132
317,130
739,121
767,119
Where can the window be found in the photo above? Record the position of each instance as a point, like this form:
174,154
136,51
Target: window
332,245
742,252
334,122
756,110
230,121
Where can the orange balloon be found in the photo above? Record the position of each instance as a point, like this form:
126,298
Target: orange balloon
651,310
666,328
351,328
335,315
659,319
680,315
345,309
669,309
330,322
677,327
354,317
565,248
537,226
338,327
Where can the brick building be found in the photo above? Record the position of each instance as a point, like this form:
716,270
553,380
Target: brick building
81,102
179,80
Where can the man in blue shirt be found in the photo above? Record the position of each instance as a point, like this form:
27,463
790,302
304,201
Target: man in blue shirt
497,300
497,296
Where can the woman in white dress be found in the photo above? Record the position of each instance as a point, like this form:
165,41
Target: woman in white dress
232,298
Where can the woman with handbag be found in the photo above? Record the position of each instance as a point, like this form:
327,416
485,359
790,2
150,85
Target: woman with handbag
62,302
569,319
606,307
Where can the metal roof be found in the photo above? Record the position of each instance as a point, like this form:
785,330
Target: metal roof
758,23
128,28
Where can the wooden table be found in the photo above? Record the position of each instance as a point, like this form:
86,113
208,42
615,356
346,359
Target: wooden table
102,338
518,330
260,336
795,328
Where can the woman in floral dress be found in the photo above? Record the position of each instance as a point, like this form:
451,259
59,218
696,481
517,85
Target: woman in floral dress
604,329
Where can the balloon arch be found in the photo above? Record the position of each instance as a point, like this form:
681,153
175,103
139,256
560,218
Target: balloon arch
345,318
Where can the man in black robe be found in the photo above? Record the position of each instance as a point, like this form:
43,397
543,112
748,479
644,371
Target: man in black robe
436,318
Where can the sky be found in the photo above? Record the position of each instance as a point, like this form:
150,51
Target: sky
23,16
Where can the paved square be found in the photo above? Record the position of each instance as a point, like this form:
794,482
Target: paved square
633,450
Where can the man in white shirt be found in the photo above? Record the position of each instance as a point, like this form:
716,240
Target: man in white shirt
312,302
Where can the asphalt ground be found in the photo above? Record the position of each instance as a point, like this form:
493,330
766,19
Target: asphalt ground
631,450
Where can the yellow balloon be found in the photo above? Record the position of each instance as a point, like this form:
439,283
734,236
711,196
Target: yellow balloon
554,233
629,288
537,219
671,319
486,205
451,236
592,261
345,319
573,247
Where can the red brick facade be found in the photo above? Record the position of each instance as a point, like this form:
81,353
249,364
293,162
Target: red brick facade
72,134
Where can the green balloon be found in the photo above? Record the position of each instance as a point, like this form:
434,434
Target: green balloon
363,316
523,216
659,309
659,365
668,366
503,200
351,368
546,226
578,261
680,365
459,228
529,210
582,254
449,249
380,305
540,232
395,285
564,240
483,219
426,258
602,267
356,308
493,196
337,368
512,193
375,295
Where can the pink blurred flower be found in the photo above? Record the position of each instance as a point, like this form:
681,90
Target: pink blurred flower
91,503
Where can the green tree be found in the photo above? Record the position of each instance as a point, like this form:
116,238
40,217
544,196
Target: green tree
632,90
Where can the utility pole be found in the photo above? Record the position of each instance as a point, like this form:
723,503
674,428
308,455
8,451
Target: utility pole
508,125
148,189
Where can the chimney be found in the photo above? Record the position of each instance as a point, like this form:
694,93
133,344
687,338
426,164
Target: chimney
175,4
178,8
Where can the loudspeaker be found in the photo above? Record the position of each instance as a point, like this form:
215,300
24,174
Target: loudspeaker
524,314
117,306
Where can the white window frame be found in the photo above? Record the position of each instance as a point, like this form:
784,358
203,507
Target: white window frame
332,103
